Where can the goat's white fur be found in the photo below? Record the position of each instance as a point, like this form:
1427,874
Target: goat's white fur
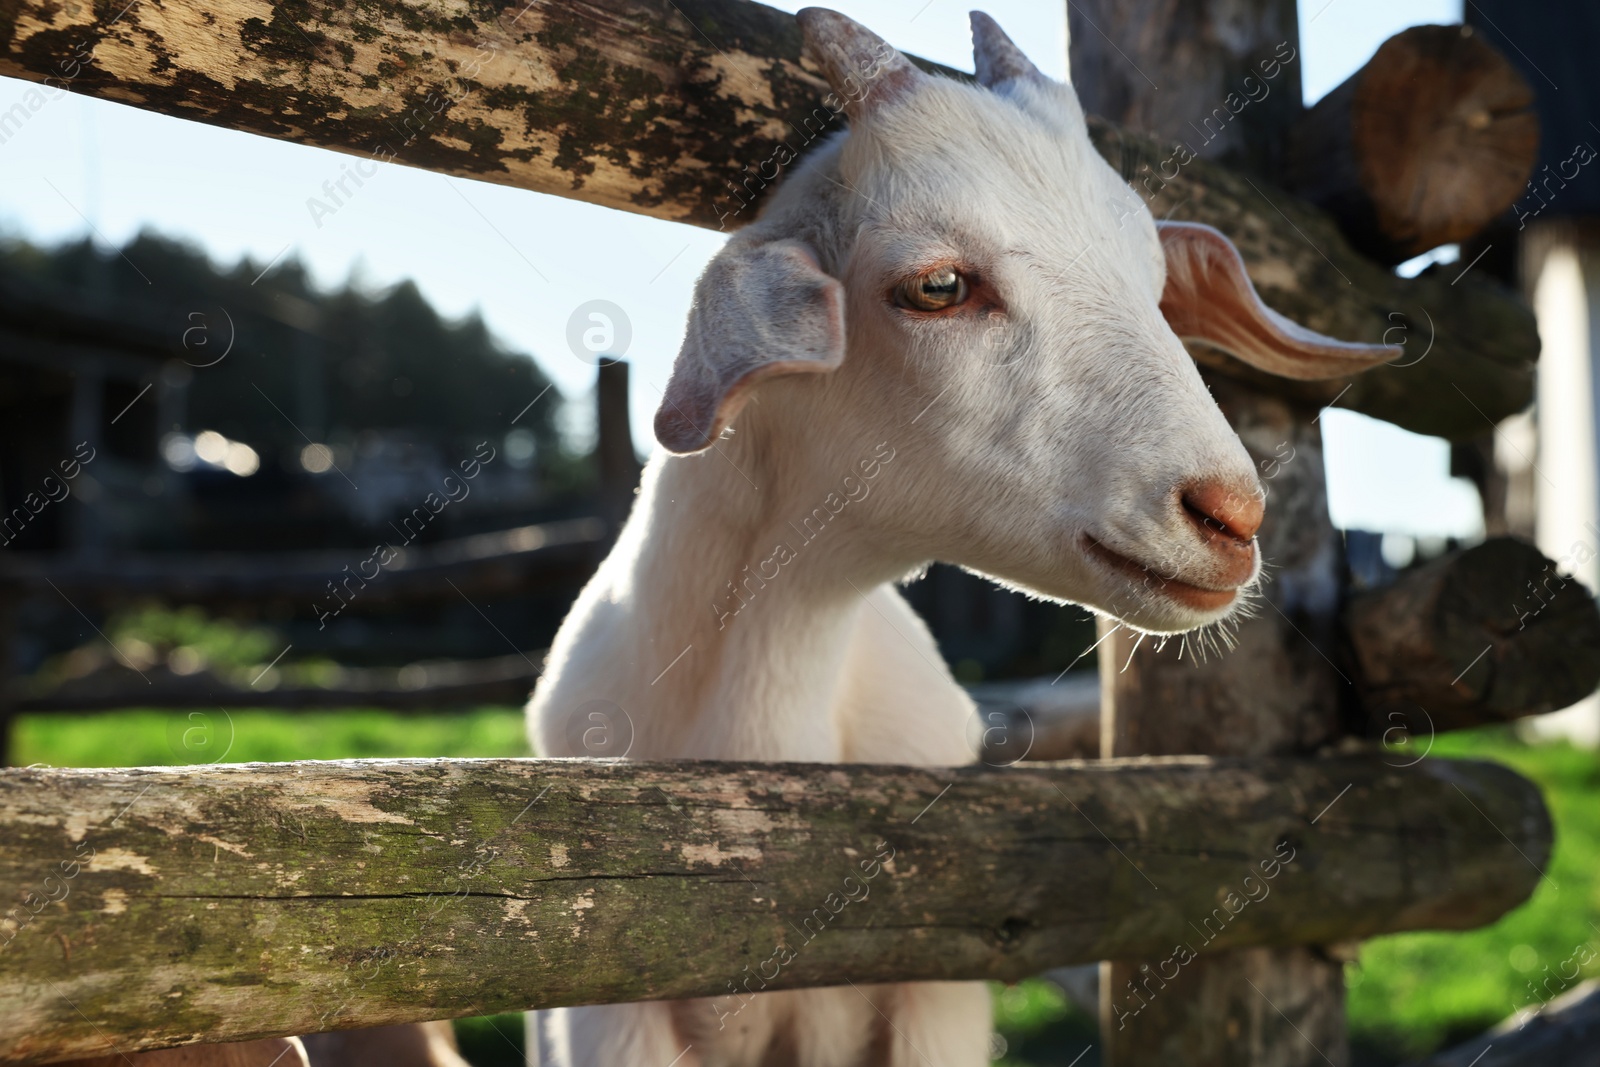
997,440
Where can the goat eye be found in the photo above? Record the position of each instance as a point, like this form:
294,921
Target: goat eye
934,291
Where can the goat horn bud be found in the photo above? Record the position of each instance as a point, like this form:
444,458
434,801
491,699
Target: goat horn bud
863,69
996,56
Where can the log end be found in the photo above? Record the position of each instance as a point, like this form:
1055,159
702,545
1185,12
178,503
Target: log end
1424,146
1489,634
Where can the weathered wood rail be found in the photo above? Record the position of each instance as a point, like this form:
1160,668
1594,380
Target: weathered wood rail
1426,144
521,558
427,686
271,899
683,110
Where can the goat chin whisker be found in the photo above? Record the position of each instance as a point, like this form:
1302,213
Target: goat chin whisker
1132,652
1085,652
1221,637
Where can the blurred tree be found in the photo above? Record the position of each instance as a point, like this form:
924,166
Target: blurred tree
303,362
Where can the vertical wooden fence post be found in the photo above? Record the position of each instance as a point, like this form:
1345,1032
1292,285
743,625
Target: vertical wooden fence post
1179,71
619,466
1277,691
10,595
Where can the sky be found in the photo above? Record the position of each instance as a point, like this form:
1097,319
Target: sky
528,261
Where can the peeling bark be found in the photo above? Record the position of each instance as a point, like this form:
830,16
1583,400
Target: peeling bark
256,900
678,110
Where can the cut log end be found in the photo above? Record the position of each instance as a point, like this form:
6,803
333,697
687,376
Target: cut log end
1491,634
1424,146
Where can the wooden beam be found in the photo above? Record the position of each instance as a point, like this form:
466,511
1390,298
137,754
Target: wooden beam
1425,145
1468,346
618,464
498,561
1490,634
169,906
1274,692
1241,86
676,110
1267,686
644,105
425,686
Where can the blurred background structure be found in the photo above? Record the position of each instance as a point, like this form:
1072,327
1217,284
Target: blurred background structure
1548,245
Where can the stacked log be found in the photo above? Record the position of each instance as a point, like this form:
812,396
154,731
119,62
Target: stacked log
1425,145
692,113
1491,634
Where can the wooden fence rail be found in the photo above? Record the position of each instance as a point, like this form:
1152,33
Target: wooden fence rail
171,906
425,686
525,557
689,110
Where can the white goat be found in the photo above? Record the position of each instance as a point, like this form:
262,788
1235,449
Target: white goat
942,340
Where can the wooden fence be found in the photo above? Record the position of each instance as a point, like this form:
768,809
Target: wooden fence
174,906
669,109
242,901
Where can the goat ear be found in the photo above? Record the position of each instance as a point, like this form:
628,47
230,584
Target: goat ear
1209,298
996,57
863,69
760,310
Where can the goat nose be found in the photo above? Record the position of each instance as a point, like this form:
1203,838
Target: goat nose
1225,508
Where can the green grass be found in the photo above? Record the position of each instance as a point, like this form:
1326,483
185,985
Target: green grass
1409,994
147,737
1412,993
1037,1025
492,1040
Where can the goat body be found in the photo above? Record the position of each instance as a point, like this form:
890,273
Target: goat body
1006,393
